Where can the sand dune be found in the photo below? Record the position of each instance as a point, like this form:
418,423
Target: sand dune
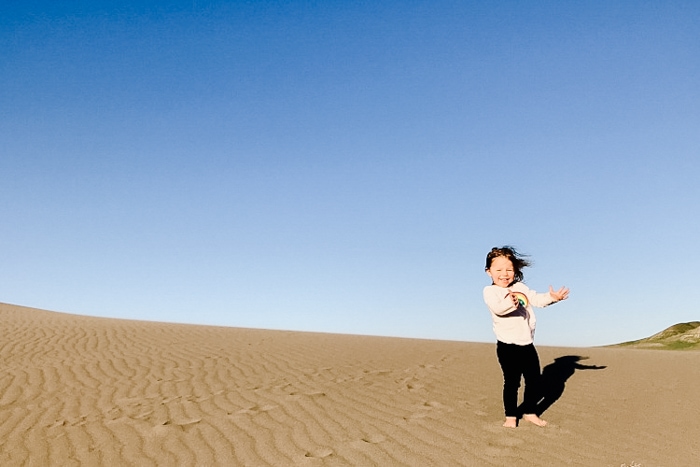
77,390
681,336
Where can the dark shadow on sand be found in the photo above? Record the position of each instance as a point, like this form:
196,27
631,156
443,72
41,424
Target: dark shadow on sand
555,376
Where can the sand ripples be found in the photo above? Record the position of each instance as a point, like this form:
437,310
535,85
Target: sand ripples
87,391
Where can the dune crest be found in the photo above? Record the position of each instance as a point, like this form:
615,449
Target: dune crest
77,390
681,336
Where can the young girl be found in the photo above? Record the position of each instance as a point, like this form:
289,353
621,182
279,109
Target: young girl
510,303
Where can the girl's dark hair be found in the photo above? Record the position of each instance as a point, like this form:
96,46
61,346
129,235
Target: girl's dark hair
518,260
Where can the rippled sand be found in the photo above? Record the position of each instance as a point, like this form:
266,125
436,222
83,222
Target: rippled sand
78,390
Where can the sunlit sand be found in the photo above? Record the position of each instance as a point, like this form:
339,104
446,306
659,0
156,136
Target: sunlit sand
77,390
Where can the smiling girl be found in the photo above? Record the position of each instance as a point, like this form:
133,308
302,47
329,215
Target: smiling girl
510,302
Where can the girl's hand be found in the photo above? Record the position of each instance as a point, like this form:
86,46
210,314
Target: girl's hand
513,298
559,295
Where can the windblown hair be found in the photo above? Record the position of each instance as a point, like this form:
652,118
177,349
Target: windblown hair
518,260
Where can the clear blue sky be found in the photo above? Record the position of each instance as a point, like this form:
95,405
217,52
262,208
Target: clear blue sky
345,166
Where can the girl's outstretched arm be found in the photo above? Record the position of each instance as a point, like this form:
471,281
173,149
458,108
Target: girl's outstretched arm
559,295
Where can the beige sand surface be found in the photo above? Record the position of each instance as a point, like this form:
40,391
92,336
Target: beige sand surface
77,390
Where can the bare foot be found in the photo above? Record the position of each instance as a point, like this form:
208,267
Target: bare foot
511,422
533,418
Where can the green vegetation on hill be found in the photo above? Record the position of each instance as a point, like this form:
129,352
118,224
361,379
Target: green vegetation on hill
682,336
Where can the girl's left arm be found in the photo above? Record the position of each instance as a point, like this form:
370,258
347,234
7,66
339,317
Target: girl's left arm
543,299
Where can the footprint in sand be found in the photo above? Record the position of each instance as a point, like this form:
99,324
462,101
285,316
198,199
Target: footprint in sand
414,386
434,405
365,442
411,384
295,395
427,409
79,421
257,409
374,439
184,425
478,406
319,453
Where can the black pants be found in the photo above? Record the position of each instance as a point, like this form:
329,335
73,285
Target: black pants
517,361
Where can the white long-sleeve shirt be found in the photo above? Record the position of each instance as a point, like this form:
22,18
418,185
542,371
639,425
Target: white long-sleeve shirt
511,324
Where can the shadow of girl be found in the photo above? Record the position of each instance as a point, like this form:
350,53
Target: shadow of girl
554,377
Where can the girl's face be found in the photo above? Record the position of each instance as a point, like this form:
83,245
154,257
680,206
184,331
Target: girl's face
501,271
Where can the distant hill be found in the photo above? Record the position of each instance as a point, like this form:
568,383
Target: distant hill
683,336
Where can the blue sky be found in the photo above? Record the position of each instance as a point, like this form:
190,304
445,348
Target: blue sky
346,166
